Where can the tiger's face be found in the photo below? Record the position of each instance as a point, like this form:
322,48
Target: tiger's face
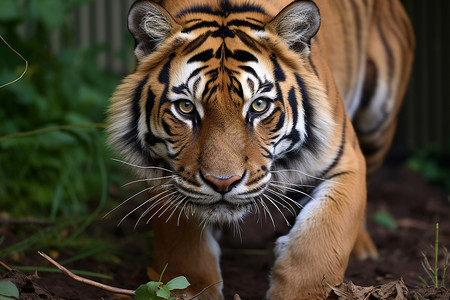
216,102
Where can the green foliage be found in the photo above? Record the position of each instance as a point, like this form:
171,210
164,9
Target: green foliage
385,219
433,272
56,170
156,290
8,291
433,164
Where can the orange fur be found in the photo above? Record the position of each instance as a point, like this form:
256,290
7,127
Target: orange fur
275,99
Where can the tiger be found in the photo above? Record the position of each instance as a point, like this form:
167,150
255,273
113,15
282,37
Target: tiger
236,105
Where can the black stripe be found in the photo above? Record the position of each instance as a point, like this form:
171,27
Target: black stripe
370,84
202,56
223,32
311,141
152,139
277,70
339,153
149,107
292,99
197,42
251,71
203,24
236,86
280,121
242,23
244,56
225,9
338,174
131,138
247,40
164,78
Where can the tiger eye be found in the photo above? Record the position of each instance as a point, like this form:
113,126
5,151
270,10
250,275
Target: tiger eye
186,107
260,105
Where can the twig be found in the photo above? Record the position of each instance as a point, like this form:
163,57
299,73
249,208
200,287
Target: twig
204,290
26,63
5,266
87,281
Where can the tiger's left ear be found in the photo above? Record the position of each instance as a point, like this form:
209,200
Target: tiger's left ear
150,24
297,23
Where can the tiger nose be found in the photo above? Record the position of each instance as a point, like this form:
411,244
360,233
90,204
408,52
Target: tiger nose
221,184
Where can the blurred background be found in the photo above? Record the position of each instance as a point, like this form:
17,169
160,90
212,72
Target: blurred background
54,164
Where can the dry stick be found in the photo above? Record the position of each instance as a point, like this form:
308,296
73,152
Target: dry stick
5,266
87,281
204,290
101,285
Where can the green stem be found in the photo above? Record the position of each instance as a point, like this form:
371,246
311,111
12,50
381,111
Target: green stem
436,250
162,273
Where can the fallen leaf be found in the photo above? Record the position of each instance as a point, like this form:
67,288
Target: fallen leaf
394,290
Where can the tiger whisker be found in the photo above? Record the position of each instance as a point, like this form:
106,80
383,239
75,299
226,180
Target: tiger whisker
139,206
290,208
138,193
173,202
181,211
166,202
266,209
293,184
180,201
307,175
257,211
142,167
294,190
271,200
157,202
148,179
237,229
285,198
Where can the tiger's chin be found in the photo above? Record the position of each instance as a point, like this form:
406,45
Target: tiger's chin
221,213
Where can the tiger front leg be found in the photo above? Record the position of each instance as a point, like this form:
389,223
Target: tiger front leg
315,253
190,251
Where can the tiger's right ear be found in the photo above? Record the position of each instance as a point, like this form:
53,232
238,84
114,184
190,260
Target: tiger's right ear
150,24
297,23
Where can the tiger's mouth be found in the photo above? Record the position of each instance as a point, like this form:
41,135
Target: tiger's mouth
222,211
216,207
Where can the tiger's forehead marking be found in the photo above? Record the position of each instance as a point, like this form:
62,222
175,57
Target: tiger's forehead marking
224,8
222,58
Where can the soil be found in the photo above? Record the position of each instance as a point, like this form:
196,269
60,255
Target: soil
247,257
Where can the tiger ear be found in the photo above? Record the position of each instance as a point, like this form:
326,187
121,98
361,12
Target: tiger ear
297,23
150,24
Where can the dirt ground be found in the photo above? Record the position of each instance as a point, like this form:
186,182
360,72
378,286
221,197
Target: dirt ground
246,260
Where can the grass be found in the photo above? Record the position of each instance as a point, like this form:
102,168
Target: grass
433,272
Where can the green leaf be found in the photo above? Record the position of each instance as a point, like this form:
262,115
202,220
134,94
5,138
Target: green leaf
148,291
178,283
163,292
385,219
8,291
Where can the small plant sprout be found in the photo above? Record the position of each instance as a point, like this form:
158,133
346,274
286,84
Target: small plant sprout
156,290
433,273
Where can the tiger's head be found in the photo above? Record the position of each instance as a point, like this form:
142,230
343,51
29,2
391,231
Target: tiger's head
222,95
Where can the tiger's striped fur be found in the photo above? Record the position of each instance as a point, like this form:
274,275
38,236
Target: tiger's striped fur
243,102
